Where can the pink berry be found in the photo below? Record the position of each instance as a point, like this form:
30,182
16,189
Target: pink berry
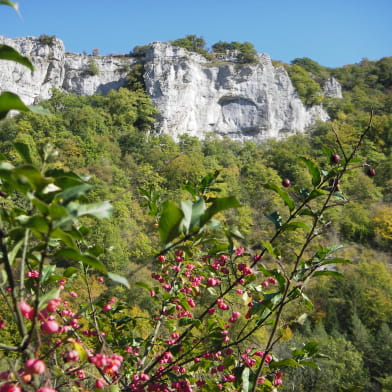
8,387
335,158
35,366
71,356
53,304
50,326
26,310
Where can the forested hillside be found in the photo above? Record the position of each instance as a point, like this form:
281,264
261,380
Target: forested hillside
107,139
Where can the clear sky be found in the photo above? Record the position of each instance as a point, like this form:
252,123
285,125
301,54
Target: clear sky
331,32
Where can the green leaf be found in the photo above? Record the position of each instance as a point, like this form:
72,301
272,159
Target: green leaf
143,285
327,152
218,205
271,250
307,300
100,210
52,294
211,225
64,237
37,223
38,109
310,364
6,166
70,271
47,272
337,260
313,169
23,151
283,195
9,53
335,274
315,193
169,222
42,207
198,210
288,362
119,279
14,251
339,196
12,4
73,254
74,193
30,173
10,101
245,379
306,211
186,208
311,348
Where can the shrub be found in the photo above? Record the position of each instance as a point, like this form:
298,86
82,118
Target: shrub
47,39
92,67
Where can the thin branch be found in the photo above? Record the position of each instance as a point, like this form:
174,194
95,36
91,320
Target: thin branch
11,281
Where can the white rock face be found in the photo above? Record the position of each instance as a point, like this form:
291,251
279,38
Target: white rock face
332,88
243,102
53,68
193,96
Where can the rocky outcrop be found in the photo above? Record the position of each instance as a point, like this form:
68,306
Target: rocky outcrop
332,88
192,95
54,68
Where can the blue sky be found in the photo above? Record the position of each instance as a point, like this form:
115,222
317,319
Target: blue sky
332,32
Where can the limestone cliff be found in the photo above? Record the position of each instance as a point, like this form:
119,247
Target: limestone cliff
193,95
54,68
255,101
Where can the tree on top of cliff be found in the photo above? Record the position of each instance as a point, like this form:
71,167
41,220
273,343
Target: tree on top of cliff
246,53
193,43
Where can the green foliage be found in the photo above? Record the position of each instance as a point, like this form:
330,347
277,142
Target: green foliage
140,50
192,43
245,52
307,88
135,79
319,73
8,100
47,39
92,67
8,53
56,223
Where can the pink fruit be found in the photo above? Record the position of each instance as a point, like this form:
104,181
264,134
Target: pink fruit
50,326
26,310
8,387
335,158
35,366
371,172
71,355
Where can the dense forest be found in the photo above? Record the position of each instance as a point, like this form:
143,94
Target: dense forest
109,140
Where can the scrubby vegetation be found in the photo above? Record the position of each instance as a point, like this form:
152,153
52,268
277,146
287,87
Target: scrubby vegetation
109,139
47,39
58,238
